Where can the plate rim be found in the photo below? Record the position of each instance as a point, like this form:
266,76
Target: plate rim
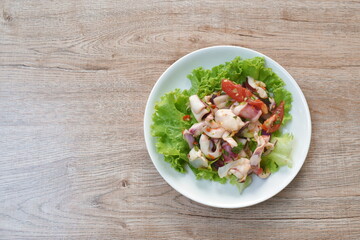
147,134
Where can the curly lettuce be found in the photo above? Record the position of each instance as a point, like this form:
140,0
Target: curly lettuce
240,185
280,156
208,174
168,125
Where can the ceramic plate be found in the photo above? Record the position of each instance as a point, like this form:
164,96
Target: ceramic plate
226,195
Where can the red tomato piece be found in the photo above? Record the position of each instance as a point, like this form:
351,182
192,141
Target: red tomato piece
235,91
274,122
259,105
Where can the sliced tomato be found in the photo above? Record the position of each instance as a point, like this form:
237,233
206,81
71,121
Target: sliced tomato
239,93
269,123
259,105
274,122
280,110
235,91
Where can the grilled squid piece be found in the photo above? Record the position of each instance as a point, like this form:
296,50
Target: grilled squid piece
239,168
198,108
197,129
210,121
214,132
256,156
221,101
269,147
250,112
228,120
237,107
197,158
210,148
227,138
272,104
188,138
255,127
264,174
258,86
207,99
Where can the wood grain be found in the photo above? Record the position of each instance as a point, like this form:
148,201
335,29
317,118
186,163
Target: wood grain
74,80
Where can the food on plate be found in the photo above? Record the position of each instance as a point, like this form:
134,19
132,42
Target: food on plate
227,126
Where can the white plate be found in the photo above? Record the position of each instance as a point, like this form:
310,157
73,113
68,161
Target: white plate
212,193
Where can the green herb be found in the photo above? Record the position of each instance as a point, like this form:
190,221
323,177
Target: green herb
208,174
238,148
252,145
211,162
228,103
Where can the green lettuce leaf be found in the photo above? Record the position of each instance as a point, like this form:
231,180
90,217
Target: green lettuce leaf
240,186
205,82
280,156
168,125
209,174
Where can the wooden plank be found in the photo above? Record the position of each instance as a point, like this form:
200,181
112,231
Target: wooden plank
74,80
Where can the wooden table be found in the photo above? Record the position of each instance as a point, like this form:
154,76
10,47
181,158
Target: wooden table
74,80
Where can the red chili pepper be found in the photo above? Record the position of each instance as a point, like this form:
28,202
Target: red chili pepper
186,118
